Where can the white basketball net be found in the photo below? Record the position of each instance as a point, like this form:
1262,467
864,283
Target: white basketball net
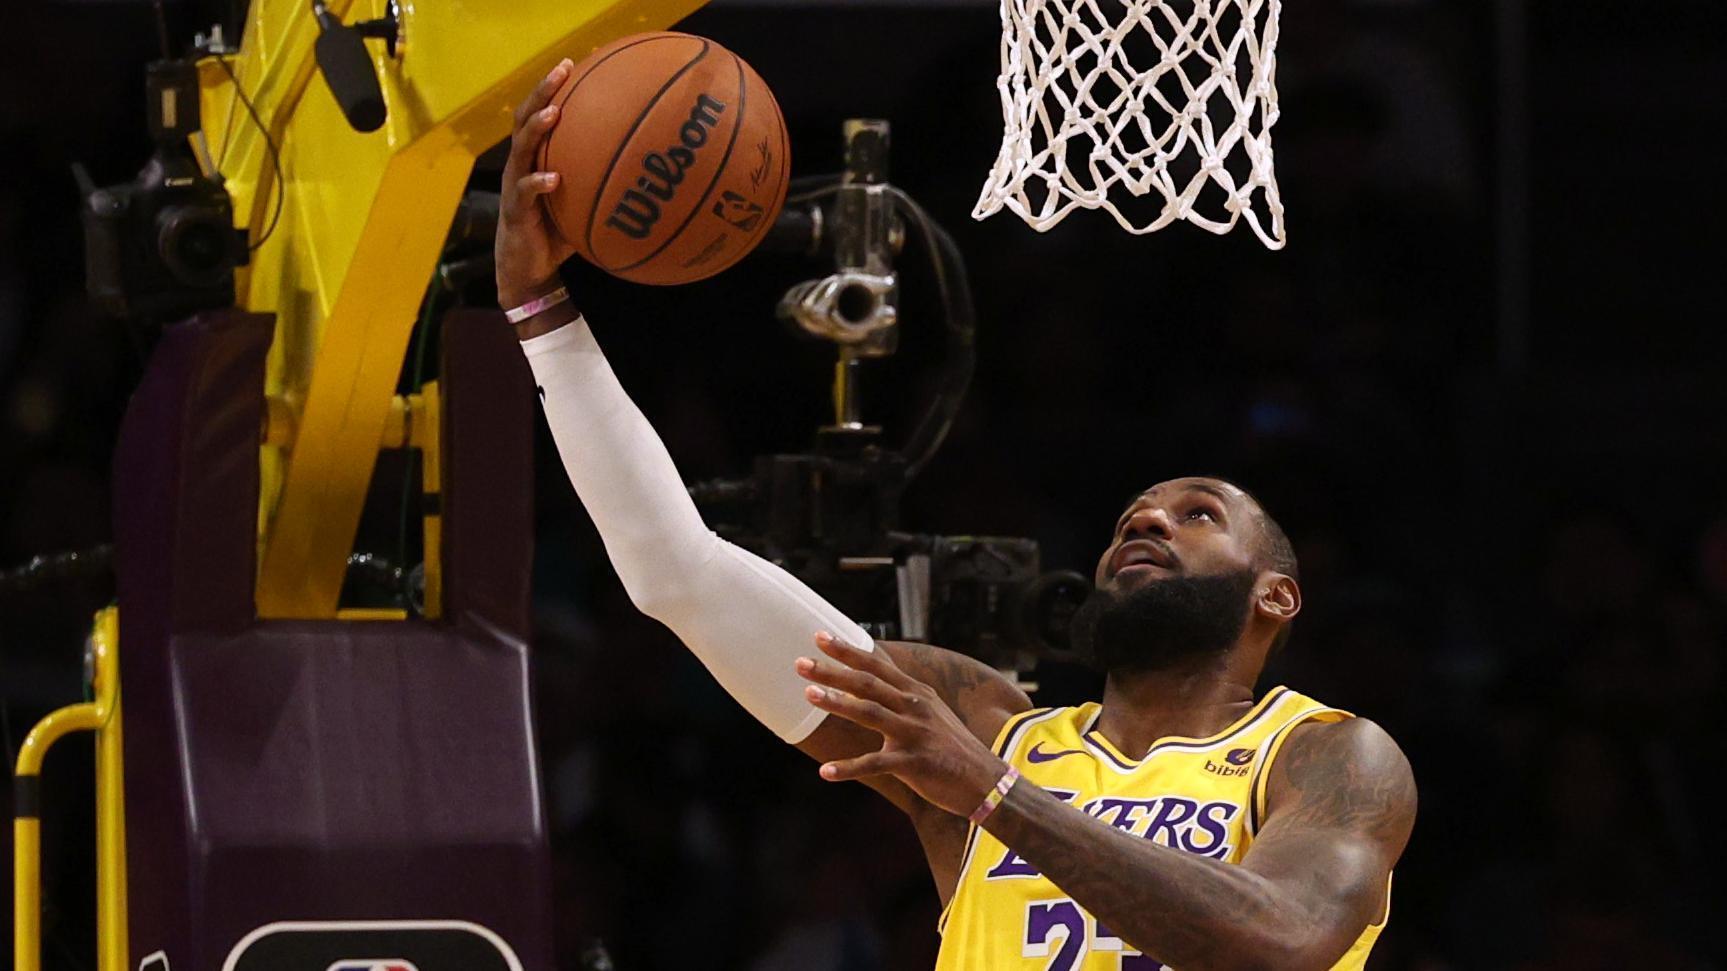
1152,96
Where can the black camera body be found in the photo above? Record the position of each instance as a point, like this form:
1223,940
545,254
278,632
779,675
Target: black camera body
163,245
831,519
991,595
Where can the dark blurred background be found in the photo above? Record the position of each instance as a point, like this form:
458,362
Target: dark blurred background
1480,389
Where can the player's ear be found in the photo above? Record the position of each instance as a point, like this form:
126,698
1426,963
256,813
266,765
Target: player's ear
1279,597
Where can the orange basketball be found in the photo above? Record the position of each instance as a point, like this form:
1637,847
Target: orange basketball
673,155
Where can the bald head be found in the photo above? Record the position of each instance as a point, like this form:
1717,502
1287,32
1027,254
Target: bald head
1274,546
1271,543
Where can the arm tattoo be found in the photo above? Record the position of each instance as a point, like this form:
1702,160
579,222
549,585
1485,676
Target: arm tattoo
980,695
1302,895
1323,790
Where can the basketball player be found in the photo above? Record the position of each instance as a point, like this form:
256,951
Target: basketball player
1180,821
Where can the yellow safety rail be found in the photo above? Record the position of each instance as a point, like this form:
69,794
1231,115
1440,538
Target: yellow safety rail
101,716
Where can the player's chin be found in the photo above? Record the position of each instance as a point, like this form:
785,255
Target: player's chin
1137,576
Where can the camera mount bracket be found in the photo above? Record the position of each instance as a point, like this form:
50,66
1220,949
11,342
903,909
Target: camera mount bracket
856,306
387,28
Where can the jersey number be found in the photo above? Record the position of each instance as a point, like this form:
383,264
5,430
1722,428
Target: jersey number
1050,922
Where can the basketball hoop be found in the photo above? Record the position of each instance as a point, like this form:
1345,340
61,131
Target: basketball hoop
1109,101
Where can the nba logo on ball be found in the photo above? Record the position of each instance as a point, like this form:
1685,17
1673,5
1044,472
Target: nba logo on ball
388,964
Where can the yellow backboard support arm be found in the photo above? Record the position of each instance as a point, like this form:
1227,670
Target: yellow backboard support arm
363,219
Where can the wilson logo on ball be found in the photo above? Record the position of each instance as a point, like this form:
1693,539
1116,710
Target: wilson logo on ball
639,209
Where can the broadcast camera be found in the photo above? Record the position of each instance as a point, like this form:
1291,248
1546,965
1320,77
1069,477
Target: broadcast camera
831,516
163,245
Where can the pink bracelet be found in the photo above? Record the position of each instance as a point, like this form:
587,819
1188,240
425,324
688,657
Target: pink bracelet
516,315
996,795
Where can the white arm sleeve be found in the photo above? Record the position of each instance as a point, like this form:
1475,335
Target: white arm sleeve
745,618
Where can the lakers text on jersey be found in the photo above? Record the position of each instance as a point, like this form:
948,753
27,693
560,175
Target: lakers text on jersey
1204,796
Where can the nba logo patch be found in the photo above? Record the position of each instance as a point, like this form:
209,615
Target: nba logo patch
371,964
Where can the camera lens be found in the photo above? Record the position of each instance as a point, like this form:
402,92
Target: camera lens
1048,605
856,303
197,245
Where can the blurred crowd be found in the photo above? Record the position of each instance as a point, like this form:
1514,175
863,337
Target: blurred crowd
1513,533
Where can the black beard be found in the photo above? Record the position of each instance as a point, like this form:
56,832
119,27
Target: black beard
1164,624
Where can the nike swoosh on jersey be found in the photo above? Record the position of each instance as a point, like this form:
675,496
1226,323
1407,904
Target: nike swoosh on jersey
1037,754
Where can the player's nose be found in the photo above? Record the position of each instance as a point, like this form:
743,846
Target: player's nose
1150,521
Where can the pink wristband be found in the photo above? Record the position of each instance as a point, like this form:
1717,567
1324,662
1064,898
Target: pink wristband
516,315
996,795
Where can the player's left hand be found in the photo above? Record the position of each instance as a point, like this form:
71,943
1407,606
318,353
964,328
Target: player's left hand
924,744
528,249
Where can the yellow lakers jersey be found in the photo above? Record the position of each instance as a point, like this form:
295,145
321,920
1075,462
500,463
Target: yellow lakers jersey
1197,795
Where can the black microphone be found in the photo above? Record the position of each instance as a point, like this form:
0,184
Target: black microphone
347,69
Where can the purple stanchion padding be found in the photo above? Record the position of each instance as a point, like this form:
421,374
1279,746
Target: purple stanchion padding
186,562
488,499
353,782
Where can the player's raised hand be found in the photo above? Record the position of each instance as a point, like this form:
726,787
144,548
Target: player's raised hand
527,249
924,744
